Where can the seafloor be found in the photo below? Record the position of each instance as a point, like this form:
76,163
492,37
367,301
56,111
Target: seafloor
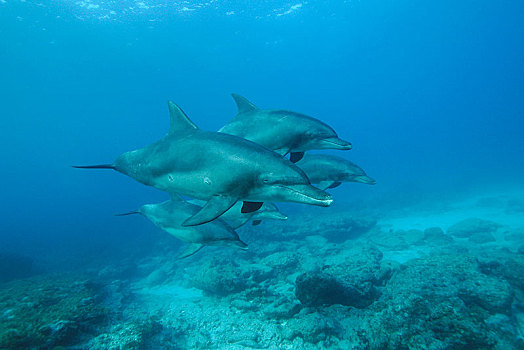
450,276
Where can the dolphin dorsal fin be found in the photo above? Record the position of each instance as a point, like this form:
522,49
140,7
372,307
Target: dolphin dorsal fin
243,104
179,120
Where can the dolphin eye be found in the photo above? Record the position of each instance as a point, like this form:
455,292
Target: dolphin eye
268,180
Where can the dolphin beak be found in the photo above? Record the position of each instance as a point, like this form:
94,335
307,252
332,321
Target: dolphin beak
129,213
365,180
337,143
308,194
280,216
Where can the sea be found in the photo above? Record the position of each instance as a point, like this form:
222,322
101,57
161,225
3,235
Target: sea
429,93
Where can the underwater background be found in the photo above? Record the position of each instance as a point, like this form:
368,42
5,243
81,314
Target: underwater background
430,94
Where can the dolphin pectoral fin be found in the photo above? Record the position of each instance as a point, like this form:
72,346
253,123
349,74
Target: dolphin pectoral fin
179,120
215,207
335,184
282,151
237,222
256,222
175,197
324,185
249,207
243,104
296,156
192,249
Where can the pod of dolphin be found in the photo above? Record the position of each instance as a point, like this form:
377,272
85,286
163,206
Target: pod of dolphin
234,174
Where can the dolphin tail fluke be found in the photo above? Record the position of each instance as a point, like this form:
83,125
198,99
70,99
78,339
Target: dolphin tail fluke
99,166
130,213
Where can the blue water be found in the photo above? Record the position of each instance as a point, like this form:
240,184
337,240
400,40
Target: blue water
429,93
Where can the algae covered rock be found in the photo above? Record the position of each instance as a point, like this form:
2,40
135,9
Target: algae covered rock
47,312
156,277
436,236
482,237
395,240
414,236
311,327
335,228
340,229
491,294
125,269
516,235
357,264
219,277
317,289
505,265
441,302
127,335
349,278
281,261
282,307
467,228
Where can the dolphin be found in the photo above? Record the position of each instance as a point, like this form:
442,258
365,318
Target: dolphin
216,167
282,131
236,218
170,215
330,171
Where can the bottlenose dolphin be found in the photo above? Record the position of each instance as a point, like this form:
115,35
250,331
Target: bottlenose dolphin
170,215
282,131
236,218
330,171
219,168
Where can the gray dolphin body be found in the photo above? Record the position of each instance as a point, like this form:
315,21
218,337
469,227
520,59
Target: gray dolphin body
170,215
219,168
236,218
330,171
282,131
